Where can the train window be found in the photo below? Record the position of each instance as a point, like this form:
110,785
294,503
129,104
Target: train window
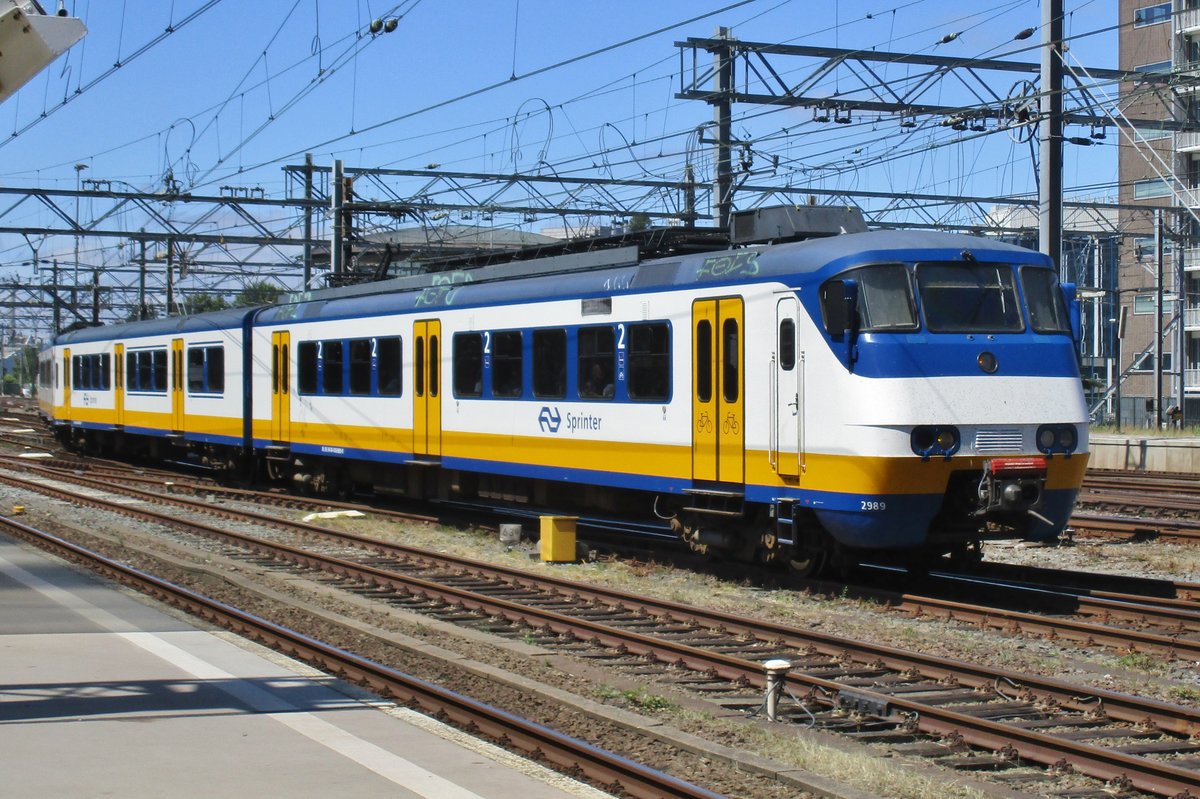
885,298
550,363
787,345
389,362
433,366
732,351
77,372
649,361
195,369
597,362
704,379
331,367
420,366
206,370
307,367
106,372
145,373
214,369
969,298
507,360
468,364
158,363
360,366
1047,313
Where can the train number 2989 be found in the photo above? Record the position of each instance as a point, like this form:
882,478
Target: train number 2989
871,504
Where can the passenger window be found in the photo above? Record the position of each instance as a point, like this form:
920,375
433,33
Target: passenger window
787,345
307,368
331,367
729,334
704,361
106,372
214,358
468,364
159,365
195,369
360,366
506,364
389,361
597,362
649,362
550,363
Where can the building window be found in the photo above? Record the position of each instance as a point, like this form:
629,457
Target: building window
1150,134
1151,15
1145,362
1151,187
1143,303
1158,67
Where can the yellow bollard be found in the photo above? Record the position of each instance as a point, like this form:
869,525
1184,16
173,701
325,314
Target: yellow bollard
558,539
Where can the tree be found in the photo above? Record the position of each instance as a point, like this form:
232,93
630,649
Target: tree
638,222
258,292
204,302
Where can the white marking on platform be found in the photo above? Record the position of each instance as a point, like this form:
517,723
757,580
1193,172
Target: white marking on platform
390,766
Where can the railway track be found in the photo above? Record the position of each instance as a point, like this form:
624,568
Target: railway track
916,703
570,755
1123,621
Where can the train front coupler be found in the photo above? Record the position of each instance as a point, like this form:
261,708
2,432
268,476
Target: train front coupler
1012,488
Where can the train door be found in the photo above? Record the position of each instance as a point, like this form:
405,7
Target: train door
66,382
177,382
118,381
281,389
787,386
427,394
718,383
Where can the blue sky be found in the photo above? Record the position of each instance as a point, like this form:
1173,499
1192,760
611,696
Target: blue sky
242,88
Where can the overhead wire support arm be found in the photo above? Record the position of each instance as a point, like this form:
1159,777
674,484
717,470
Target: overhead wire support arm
900,96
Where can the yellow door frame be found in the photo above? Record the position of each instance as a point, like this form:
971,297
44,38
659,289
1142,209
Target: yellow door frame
118,379
427,387
718,389
177,383
66,381
281,386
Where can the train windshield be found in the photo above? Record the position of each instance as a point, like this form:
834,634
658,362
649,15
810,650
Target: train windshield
969,298
1047,313
885,298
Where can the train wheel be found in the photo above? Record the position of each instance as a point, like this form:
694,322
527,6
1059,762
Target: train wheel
809,564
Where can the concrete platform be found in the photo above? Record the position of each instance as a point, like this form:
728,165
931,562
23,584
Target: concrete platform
102,694
1144,453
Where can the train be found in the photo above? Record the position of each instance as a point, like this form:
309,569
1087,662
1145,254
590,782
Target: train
870,394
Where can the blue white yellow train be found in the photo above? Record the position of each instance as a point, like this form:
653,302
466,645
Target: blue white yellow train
804,402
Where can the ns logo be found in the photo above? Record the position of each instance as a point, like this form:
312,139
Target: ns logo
549,420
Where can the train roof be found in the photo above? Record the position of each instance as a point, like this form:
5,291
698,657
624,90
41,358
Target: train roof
794,262
590,275
214,320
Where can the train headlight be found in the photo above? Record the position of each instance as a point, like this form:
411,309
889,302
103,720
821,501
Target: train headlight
1057,438
930,441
